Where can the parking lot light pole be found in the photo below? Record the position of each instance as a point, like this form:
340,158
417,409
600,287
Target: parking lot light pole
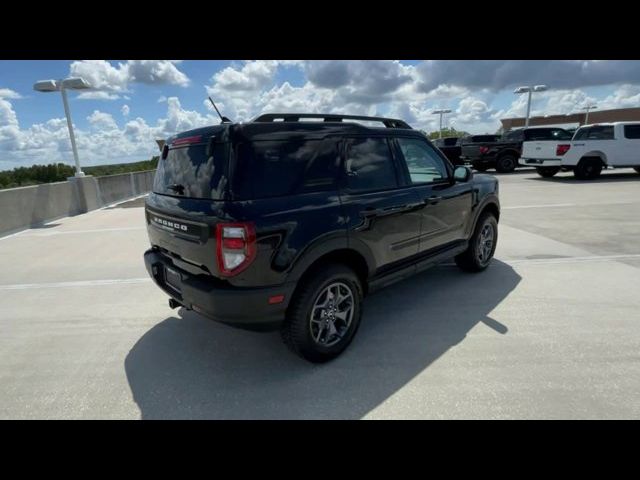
441,113
587,108
529,90
72,83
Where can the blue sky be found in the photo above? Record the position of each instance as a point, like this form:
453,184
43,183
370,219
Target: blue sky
135,102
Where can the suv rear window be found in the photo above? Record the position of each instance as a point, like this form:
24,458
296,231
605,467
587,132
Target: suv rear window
195,171
278,168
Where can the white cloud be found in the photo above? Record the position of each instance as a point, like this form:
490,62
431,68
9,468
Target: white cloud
103,142
162,99
102,75
156,72
125,110
98,95
625,96
8,93
107,77
102,120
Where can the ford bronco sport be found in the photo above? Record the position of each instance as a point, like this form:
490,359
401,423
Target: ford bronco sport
288,221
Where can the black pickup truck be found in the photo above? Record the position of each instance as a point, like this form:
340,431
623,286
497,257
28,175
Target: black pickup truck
504,153
452,146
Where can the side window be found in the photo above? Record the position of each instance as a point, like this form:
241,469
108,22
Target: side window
600,133
423,162
632,131
369,165
283,167
581,134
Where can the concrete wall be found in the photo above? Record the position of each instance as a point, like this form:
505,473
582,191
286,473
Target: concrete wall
25,207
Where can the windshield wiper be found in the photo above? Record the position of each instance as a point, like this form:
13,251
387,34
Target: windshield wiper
176,187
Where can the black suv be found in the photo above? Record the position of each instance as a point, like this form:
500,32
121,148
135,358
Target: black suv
286,223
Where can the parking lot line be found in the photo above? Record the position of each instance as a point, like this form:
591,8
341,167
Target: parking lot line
71,232
84,283
540,206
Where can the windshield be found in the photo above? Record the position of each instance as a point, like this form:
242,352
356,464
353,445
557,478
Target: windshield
193,170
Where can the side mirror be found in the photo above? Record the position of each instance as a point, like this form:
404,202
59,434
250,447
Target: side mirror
462,174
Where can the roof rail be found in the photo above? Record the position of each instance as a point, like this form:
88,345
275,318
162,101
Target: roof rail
330,117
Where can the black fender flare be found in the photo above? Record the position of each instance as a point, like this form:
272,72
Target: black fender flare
326,245
490,199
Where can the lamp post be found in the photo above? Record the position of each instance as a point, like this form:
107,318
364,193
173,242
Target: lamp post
529,90
441,113
587,108
72,83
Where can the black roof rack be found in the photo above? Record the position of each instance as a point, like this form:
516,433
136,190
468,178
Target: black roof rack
329,117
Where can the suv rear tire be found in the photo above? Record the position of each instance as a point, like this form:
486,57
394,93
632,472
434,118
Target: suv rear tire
482,245
506,163
588,168
324,314
547,172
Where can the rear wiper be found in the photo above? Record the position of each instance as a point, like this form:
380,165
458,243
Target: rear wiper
176,187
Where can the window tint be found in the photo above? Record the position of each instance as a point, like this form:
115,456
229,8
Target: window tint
423,162
604,132
484,138
284,167
632,131
195,171
547,134
514,136
450,142
369,165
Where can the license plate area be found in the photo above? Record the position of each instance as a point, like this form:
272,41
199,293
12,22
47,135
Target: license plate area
173,280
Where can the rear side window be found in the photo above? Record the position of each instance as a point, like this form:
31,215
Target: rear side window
514,136
193,170
369,165
597,132
278,168
632,131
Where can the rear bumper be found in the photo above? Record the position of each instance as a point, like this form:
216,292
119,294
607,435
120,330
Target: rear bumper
240,307
540,162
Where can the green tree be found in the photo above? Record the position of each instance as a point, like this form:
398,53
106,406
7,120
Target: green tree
447,132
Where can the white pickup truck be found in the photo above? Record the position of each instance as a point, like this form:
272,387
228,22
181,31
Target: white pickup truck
592,148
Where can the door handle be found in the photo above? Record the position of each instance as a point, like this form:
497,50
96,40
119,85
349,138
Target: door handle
432,200
381,212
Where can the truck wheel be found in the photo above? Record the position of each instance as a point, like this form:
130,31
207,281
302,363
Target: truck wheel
547,172
506,164
324,314
588,168
482,245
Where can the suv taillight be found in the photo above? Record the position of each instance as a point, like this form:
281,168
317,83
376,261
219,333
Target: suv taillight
484,150
562,149
235,247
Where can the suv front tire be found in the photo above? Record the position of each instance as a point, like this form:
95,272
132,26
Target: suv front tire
324,314
482,245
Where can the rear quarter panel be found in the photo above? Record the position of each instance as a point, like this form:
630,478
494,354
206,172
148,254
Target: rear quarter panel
288,230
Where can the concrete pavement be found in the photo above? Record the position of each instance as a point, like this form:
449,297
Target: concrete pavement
551,330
